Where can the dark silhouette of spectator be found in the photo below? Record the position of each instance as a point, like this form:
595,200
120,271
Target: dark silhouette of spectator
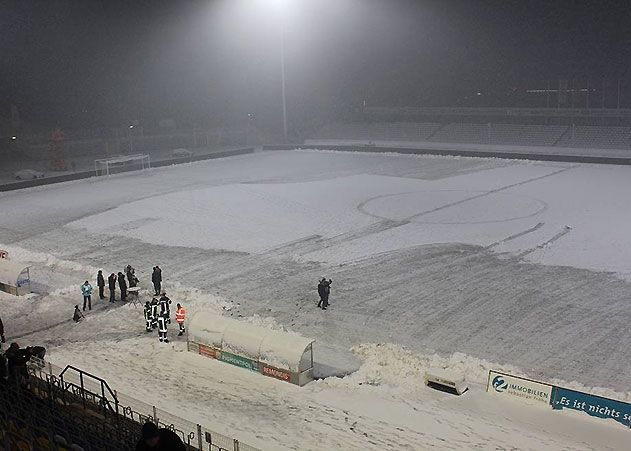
37,351
155,439
2,339
17,359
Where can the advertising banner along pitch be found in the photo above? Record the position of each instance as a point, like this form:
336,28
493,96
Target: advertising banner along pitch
593,405
505,385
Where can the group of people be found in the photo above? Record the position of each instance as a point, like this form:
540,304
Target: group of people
124,281
158,316
157,312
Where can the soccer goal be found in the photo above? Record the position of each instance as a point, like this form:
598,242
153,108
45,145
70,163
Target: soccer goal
122,163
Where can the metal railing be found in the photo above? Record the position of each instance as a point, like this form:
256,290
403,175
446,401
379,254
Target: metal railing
72,384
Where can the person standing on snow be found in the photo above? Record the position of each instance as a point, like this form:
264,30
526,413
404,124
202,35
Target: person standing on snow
131,276
86,289
100,282
324,288
156,279
123,286
154,313
148,319
180,316
165,308
321,291
2,339
111,282
162,329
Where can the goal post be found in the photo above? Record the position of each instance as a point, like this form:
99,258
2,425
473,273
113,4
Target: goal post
122,163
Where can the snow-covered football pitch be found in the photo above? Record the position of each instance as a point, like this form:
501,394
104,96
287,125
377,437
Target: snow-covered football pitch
463,263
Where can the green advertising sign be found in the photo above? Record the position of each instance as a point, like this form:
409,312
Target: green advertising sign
237,360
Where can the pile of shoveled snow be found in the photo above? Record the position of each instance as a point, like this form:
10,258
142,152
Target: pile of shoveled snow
397,368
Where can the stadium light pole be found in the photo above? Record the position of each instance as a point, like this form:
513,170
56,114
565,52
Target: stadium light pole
280,9
282,76
131,139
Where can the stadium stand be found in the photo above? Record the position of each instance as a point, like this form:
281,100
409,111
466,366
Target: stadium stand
586,136
528,135
396,131
76,411
462,133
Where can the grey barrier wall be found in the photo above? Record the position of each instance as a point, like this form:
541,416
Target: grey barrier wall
567,158
87,174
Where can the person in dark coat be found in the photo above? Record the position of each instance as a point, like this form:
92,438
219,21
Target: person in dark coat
321,291
123,286
111,282
131,276
77,315
156,279
159,439
100,282
2,339
36,351
324,288
17,359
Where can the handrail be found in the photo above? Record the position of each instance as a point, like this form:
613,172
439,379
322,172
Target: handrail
102,382
129,409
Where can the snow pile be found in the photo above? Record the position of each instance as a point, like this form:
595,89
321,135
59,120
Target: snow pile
392,365
45,259
397,369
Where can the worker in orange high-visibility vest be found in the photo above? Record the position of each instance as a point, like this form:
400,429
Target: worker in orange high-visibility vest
180,316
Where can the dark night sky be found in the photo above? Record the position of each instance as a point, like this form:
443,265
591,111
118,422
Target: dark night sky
88,62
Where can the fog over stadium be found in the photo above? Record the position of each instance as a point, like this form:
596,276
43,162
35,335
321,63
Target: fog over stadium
315,225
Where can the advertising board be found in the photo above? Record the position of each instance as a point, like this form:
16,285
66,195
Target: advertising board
275,372
505,385
593,405
237,360
207,351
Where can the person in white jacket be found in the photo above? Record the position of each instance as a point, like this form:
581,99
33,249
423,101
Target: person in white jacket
86,289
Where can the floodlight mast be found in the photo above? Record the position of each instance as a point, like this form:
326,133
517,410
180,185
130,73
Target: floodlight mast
282,75
280,9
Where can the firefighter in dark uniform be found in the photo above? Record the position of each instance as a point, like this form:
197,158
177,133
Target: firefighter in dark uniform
154,313
148,319
165,308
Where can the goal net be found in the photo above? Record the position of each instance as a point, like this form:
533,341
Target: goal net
122,163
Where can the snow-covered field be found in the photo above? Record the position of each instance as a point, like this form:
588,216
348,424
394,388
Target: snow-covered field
462,263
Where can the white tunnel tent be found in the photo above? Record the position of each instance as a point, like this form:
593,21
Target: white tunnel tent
14,277
282,355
